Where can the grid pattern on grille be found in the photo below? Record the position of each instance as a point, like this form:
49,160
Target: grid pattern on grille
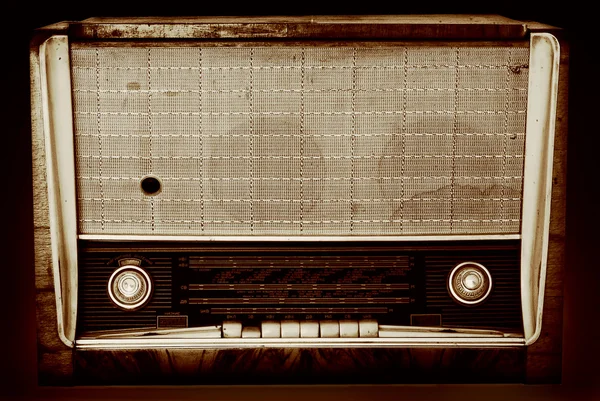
288,140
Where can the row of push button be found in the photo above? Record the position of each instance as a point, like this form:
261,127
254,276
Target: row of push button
303,329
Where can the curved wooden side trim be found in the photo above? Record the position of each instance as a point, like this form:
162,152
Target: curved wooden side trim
55,359
544,357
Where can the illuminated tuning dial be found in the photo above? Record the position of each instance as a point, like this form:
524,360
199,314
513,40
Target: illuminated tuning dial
130,287
469,283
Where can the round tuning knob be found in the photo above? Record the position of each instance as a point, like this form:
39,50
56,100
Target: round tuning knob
469,283
129,287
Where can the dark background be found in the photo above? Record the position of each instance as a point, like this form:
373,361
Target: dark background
581,363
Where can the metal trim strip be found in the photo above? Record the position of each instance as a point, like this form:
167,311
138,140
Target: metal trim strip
224,343
55,74
383,238
537,186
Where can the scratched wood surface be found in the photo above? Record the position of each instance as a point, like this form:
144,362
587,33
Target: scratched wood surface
317,27
424,19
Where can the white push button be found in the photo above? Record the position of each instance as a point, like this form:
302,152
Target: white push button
330,328
309,329
368,328
270,329
251,332
348,328
232,329
290,329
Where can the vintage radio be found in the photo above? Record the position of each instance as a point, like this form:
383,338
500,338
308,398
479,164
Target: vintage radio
299,199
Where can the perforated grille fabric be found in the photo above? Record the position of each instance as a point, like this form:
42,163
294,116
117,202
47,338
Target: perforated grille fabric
285,140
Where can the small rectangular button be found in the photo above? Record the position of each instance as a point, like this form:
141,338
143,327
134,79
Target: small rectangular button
232,329
309,329
270,329
290,329
349,328
171,322
368,328
330,328
250,332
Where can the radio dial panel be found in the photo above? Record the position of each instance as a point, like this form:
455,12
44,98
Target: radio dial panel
281,290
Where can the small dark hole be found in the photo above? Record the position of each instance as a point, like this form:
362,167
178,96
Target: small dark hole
150,185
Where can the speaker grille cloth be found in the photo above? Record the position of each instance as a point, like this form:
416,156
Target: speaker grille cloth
287,140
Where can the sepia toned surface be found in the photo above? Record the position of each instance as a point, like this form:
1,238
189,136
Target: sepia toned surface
544,357
305,27
55,360
287,366
54,357
287,140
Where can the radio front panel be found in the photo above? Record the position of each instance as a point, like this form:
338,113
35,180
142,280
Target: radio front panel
222,190
201,286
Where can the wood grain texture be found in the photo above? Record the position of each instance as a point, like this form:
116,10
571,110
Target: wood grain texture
309,27
293,365
429,19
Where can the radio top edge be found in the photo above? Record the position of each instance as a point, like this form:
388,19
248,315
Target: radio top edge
322,27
